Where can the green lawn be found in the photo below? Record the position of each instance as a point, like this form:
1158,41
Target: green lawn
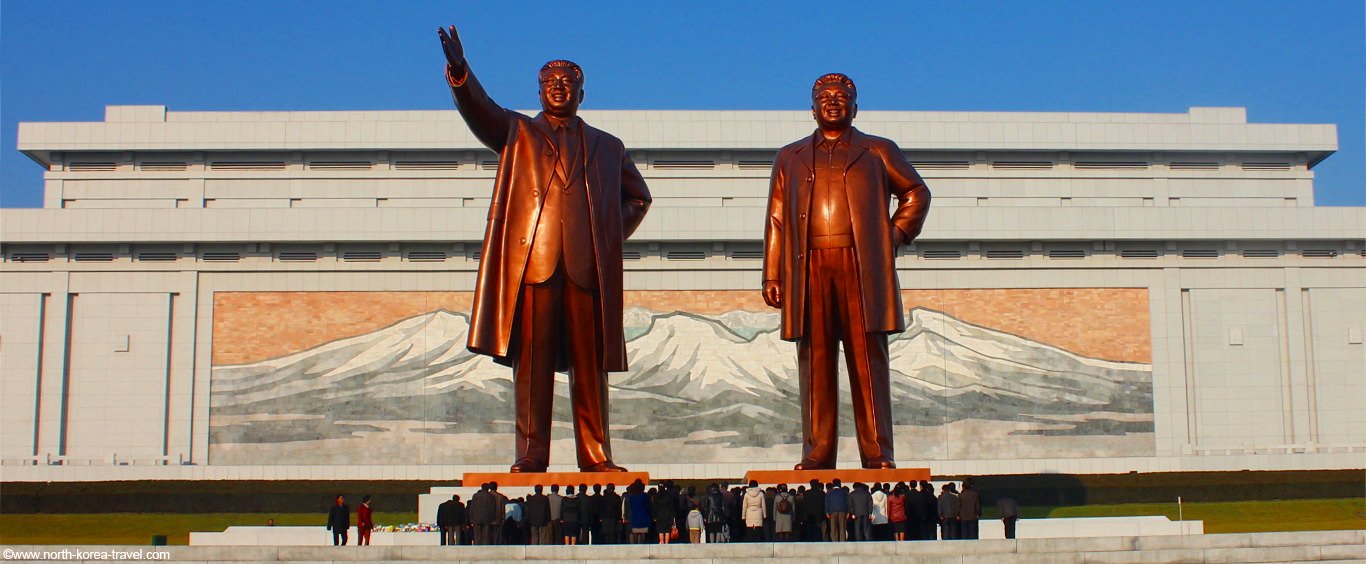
1243,516
138,528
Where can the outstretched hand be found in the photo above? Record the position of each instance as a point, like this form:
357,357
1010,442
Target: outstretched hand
450,43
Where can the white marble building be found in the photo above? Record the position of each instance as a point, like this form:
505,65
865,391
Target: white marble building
175,245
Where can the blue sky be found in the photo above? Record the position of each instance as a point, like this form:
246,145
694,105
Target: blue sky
1287,62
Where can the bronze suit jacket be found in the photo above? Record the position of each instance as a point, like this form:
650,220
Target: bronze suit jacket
617,200
876,171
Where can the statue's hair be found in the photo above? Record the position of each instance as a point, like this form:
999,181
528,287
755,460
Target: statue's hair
834,77
566,64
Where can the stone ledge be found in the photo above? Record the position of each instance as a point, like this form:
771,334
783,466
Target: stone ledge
1247,547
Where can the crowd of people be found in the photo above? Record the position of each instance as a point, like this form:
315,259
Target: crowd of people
667,513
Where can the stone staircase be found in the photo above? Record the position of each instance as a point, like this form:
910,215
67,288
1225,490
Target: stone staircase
1308,546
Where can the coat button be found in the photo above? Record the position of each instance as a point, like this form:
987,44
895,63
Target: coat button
799,255
523,240
803,216
536,193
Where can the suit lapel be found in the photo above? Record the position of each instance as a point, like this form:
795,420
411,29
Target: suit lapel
858,145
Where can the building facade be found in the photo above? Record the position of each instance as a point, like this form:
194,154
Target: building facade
284,295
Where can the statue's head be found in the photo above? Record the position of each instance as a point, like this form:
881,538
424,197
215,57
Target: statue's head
834,101
561,88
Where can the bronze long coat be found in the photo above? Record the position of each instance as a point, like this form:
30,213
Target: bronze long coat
617,201
875,172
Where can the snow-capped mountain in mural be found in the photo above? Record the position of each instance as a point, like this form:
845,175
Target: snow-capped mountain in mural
689,373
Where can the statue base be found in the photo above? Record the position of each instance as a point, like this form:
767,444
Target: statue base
845,475
528,479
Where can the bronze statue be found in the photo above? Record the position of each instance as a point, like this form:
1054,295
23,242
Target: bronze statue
829,264
549,293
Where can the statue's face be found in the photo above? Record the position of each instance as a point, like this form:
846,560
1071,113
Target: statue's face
561,92
834,106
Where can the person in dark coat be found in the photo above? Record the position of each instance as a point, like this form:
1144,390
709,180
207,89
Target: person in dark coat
538,515
339,521
683,505
589,532
610,515
484,514
735,520
664,507
812,511
948,513
916,509
930,520
969,511
1010,513
861,512
571,515
714,513
450,520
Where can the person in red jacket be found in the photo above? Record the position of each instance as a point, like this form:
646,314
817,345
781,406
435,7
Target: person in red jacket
364,522
896,511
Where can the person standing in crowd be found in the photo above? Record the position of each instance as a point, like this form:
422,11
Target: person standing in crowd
610,515
880,521
664,507
770,494
682,505
861,512
714,513
948,512
514,517
500,504
554,499
339,521
915,512
753,511
813,513
695,525
590,531
735,527
969,511
896,511
365,522
784,512
443,520
571,516
638,512
481,514
1010,514
930,518
837,511
538,516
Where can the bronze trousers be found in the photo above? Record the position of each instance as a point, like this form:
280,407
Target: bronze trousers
557,317
835,315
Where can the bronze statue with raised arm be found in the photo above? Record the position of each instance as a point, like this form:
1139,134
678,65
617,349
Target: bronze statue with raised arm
549,292
829,265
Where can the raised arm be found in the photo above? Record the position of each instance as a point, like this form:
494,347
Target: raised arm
489,121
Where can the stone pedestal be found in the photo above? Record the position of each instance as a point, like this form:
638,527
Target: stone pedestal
845,475
528,479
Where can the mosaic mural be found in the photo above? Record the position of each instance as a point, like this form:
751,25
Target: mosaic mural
365,377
